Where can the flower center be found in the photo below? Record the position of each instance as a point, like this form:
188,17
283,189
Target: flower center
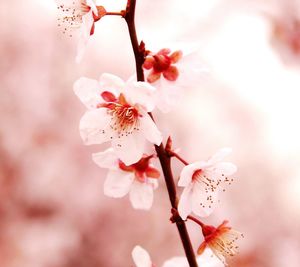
124,117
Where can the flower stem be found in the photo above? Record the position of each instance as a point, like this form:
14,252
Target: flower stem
164,158
196,221
173,154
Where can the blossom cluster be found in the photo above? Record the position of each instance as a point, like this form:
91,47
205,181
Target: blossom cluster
119,114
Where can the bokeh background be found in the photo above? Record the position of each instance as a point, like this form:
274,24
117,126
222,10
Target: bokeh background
52,209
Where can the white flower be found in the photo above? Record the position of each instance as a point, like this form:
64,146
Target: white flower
201,181
221,241
138,179
141,258
79,14
207,259
171,72
118,112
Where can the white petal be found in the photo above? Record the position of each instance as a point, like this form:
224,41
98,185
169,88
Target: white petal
208,259
188,171
94,127
141,93
199,196
220,155
129,149
106,159
141,257
118,183
185,202
221,170
176,262
111,83
92,5
88,92
150,130
141,195
85,32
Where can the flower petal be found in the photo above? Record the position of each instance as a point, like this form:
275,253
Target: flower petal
85,32
88,92
140,93
111,83
141,257
92,5
150,130
118,183
141,195
106,159
188,171
221,170
94,127
203,202
185,202
130,148
220,155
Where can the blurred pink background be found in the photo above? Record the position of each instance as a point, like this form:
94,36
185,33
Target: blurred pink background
53,211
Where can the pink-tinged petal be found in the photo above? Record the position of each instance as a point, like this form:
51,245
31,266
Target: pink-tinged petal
150,130
94,127
176,56
176,262
140,93
185,202
85,32
220,155
106,159
118,183
141,195
221,170
148,64
188,171
203,204
111,83
88,92
92,5
208,259
130,148
171,74
141,257
153,77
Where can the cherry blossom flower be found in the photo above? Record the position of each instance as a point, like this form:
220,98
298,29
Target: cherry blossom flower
79,14
221,240
142,258
207,259
118,113
170,72
138,179
201,181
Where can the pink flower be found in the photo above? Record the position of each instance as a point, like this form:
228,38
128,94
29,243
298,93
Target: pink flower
138,179
118,113
201,181
221,240
171,71
79,14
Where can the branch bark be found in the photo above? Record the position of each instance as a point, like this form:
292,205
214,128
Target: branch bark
164,158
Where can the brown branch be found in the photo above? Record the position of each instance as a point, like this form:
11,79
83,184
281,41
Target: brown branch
164,158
